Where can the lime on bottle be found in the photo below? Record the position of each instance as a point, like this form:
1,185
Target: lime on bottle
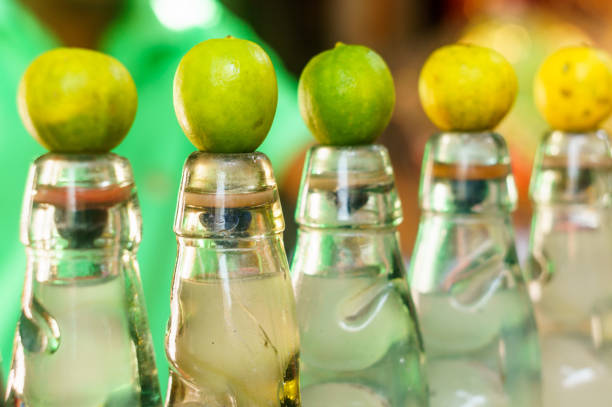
466,87
74,100
225,95
573,88
346,95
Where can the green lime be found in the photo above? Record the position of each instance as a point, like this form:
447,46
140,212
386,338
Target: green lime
225,95
75,100
346,95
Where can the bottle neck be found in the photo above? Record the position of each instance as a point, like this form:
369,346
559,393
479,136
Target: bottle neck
467,173
348,187
209,258
73,265
229,221
332,251
80,203
348,212
573,169
228,197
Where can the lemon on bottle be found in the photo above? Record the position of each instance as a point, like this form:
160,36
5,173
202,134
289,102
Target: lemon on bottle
74,100
466,87
346,95
225,95
573,88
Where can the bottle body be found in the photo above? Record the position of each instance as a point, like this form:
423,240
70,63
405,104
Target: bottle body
569,256
360,340
75,342
232,339
83,337
473,306
476,318
361,343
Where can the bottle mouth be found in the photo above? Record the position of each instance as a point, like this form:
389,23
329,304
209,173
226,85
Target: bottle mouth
348,187
467,173
562,149
228,196
76,201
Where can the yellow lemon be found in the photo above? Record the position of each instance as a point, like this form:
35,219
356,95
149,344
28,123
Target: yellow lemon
573,88
75,100
225,95
466,87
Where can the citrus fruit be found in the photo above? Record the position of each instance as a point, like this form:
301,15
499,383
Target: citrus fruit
346,95
466,87
225,95
573,88
75,100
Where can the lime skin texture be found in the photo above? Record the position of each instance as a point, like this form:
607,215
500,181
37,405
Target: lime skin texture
74,100
346,95
225,95
573,88
466,87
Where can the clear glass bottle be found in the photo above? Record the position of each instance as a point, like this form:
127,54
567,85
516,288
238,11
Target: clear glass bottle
2,388
473,306
570,259
361,344
232,339
83,338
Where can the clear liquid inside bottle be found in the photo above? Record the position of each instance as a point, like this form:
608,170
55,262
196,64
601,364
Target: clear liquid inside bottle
83,338
361,344
475,314
569,259
232,339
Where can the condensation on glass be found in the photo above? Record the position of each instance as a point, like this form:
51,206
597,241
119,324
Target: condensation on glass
232,339
83,338
472,301
361,344
570,260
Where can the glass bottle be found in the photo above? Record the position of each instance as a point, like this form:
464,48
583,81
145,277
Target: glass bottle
570,257
83,338
2,388
472,302
232,339
361,344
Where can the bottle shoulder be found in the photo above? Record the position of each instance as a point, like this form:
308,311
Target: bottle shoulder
337,251
470,249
